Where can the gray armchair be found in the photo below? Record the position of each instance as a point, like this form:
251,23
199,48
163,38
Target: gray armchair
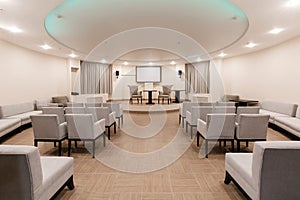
134,93
104,113
251,127
59,111
81,127
217,127
27,175
165,93
117,108
46,128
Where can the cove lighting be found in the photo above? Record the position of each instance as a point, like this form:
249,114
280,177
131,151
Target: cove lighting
72,55
222,55
292,3
250,45
13,29
46,46
276,30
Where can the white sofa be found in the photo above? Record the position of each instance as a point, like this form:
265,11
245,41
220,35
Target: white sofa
283,115
270,172
15,115
27,175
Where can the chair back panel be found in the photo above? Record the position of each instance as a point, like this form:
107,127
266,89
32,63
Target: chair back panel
187,106
59,111
87,105
220,126
45,126
80,126
21,171
252,126
224,109
75,110
204,110
246,110
74,104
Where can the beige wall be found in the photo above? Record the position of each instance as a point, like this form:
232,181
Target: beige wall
273,73
26,75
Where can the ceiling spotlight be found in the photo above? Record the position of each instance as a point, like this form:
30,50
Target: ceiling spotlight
125,63
198,59
103,61
276,30
150,63
173,62
13,29
250,45
72,55
292,3
46,46
222,55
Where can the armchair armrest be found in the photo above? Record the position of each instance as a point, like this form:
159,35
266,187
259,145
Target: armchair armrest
62,128
202,126
99,127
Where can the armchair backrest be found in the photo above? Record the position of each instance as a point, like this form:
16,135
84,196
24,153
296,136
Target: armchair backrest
204,110
74,104
166,89
228,103
99,113
133,89
80,126
247,110
114,107
21,171
187,106
220,126
252,126
224,109
275,169
45,126
87,105
59,111
75,110
94,100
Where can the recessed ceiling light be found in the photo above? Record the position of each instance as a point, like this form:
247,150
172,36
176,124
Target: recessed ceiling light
150,63
72,55
173,62
198,59
125,63
222,55
276,30
292,3
250,45
46,46
103,61
13,29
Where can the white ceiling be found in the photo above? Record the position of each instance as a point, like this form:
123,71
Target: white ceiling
117,16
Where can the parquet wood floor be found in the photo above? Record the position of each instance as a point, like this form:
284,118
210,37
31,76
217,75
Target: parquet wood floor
188,178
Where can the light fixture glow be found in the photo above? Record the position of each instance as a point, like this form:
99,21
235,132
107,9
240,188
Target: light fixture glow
222,55
150,63
125,63
292,3
13,29
198,59
173,62
103,61
250,45
72,55
276,30
46,46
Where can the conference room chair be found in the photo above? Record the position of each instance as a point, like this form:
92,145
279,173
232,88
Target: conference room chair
82,127
104,113
46,128
117,108
27,175
135,94
75,110
270,172
165,93
93,104
183,107
251,127
246,110
217,127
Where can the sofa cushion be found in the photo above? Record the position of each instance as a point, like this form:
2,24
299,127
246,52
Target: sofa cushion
8,125
279,107
60,99
272,114
25,117
14,109
292,122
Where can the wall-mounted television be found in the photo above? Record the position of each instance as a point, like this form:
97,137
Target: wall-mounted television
148,74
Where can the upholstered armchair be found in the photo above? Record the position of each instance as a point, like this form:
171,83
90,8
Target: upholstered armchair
82,127
246,110
75,110
134,93
270,172
217,127
117,108
251,127
183,107
74,104
165,93
27,175
104,113
46,128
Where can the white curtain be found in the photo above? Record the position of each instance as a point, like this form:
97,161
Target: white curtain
95,78
197,77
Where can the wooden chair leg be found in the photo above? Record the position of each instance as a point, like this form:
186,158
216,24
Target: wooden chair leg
108,133
94,144
206,149
115,128
238,146
232,145
70,183
59,148
35,143
69,147
104,142
198,135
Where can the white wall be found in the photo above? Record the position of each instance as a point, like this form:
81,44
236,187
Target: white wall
273,73
27,75
127,77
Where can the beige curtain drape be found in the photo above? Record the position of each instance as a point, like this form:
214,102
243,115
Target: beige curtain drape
95,78
197,77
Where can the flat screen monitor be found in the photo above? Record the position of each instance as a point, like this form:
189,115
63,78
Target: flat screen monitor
148,74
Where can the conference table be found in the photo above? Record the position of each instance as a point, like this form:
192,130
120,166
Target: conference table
150,95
